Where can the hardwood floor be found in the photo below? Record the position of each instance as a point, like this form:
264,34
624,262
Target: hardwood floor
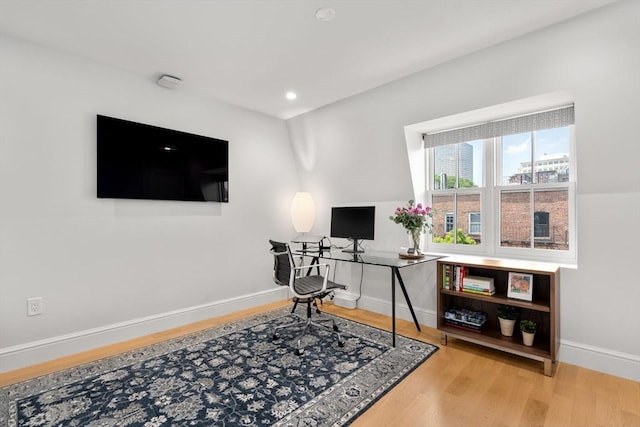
461,385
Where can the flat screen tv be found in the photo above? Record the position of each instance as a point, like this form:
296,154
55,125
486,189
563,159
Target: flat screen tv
139,161
355,223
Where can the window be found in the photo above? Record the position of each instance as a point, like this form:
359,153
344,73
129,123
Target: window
518,172
543,187
449,222
541,224
474,223
457,184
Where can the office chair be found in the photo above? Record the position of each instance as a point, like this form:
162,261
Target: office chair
307,290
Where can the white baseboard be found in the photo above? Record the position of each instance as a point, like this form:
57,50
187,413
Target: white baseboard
600,359
425,317
64,345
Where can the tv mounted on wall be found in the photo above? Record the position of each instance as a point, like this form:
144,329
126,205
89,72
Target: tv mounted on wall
355,223
139,161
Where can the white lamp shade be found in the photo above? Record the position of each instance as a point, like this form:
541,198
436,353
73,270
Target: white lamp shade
303,212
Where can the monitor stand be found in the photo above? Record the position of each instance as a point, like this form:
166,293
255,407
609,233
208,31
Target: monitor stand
355,249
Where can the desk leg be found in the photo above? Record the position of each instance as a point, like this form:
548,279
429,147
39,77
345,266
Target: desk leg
315,260
406,297
393,307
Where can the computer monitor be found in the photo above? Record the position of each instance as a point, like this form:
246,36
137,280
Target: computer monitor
353,222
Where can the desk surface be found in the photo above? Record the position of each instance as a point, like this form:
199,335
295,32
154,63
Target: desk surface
307,238
386,259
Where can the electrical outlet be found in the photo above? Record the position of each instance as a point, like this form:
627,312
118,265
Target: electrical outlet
34,306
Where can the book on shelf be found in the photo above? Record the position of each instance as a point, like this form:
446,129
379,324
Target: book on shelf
459,272
476,282
479,287
465,319
446,276
479,292
463,326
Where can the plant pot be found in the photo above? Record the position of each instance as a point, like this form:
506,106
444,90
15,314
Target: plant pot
527,338
506,326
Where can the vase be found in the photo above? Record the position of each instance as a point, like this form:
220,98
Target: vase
415,235
506,326
527,338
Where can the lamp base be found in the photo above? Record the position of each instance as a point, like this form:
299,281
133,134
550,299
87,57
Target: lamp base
307,238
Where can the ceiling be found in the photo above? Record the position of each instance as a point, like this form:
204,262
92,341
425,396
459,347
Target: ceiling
250,53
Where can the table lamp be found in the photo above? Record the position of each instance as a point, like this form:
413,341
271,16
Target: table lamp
303,212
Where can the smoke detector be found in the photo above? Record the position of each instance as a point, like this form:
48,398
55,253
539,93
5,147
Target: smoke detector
170,82
325,14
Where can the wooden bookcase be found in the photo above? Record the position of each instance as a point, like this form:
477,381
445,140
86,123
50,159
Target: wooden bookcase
543,309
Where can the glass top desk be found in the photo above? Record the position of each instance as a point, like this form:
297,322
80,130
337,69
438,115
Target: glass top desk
384,259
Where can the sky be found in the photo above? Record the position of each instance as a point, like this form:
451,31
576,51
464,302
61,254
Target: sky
517,149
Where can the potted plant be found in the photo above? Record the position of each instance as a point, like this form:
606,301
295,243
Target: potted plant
528,329
507,315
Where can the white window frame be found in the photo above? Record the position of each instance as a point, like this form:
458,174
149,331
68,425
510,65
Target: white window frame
490,208
483,191
568,257
559,256
474,223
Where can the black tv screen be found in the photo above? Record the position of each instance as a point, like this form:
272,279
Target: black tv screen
353,222
138,161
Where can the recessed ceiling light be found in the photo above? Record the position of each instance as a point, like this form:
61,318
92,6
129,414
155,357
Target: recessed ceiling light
291,96
325,14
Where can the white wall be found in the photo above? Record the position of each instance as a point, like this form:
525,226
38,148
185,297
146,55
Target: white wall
112,269
354,151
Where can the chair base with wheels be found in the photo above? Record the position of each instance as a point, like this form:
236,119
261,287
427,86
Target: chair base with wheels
309,322
308,290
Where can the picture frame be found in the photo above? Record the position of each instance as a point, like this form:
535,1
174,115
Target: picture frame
520,286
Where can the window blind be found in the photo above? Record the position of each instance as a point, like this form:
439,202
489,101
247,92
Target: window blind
526,123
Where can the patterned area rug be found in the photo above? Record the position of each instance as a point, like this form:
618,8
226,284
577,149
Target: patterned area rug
230,375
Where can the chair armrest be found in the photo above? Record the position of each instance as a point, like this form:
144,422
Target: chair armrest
325,277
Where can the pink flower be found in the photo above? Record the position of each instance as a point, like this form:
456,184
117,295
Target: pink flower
413,217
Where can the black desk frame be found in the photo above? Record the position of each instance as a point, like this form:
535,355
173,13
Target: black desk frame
383,259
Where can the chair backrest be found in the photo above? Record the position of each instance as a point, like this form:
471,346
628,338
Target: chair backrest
281,262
